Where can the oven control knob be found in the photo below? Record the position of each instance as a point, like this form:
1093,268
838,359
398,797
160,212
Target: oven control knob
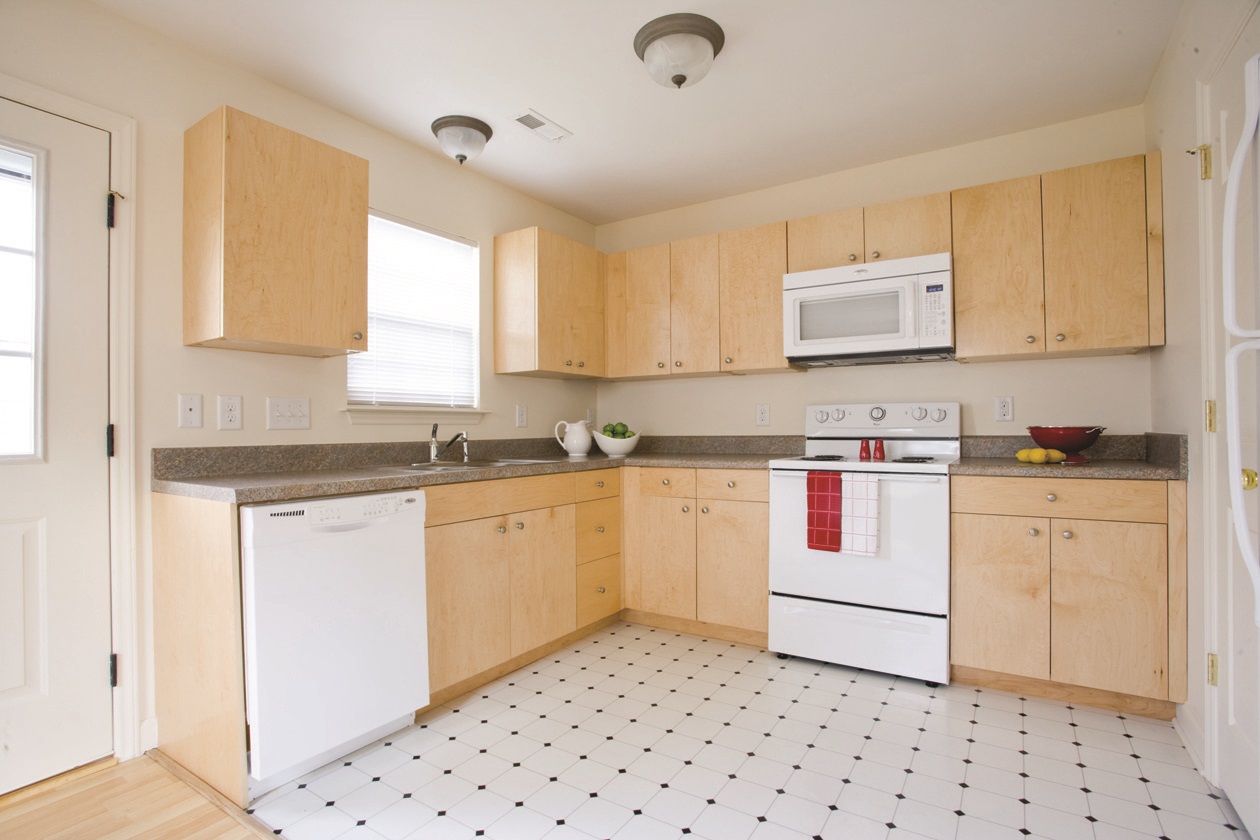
918,412
938,415
878,413
838,414
821,415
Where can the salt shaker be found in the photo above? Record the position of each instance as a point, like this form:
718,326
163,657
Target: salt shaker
879,450
864,454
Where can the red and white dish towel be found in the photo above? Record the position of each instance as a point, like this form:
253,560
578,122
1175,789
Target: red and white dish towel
843,512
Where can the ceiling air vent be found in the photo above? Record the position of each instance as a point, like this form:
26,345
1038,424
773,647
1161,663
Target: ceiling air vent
543,127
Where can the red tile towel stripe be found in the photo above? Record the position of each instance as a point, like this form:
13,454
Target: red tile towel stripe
823,491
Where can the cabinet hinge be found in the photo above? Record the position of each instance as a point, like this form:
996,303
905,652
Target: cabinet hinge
1209,415
1204,151
109,441
113,670
110,197
1214,673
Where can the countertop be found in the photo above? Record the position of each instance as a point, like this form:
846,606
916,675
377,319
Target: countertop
247,475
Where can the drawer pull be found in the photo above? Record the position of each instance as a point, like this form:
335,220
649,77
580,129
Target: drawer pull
520,526
686,509
1050,497
568,363
704,509
664,481
1031,339
599,484
581,364
601,590
1067,535
600,529
1060,337
1032,532
730,484
502,529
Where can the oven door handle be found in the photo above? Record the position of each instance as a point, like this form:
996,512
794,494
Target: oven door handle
908,479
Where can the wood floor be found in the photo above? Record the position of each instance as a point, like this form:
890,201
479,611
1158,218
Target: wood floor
136,799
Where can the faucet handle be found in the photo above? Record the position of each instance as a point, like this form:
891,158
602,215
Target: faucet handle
433,434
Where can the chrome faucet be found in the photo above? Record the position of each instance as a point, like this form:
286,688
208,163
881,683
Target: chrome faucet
436,448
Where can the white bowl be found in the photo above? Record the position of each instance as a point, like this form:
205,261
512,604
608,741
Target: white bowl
615,446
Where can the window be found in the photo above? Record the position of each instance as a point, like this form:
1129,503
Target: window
19,344
423,292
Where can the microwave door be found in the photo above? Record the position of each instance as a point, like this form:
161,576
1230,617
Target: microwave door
869,317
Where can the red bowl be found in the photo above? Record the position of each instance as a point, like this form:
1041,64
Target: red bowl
1067,439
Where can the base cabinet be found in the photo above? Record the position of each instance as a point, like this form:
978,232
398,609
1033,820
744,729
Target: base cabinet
1091,597
598,535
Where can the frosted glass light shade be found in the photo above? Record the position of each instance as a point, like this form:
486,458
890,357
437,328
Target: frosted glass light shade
678,50
462,138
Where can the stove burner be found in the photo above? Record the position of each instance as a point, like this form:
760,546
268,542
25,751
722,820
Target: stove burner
914,459
823,458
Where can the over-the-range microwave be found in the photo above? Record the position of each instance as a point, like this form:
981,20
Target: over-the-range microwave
891,311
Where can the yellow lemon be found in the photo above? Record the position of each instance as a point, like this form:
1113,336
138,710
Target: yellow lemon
1037,456
1022,455
1054,456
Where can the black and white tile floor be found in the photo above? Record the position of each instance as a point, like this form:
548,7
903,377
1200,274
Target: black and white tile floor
637,733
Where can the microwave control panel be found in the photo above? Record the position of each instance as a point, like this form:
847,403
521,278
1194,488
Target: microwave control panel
936,304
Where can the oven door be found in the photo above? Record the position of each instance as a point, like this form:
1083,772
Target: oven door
908,572
870,316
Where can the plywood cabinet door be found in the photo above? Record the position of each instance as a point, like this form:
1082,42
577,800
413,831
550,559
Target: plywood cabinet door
999,294
666,542
542,573
693,305
468,599
732,563
647,330
275,239
1094,221
826,240
907,228
1109,606
752,263
1000,594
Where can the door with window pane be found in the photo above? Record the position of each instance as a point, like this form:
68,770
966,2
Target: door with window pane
55,694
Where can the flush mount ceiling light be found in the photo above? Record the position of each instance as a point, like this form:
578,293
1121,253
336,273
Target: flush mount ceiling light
462,138
678,50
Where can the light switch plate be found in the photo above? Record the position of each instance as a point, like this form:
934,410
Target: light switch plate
288,412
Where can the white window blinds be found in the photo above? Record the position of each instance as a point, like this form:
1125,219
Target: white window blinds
422,320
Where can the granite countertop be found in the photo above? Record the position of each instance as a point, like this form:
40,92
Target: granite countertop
254,474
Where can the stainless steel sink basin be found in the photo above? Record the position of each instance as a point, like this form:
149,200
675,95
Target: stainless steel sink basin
448,466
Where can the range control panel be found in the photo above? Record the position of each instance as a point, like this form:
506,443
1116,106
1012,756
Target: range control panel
886,420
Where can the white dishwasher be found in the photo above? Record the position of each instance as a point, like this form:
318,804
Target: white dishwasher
336,638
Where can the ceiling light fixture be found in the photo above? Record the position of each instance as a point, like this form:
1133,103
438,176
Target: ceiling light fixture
462,138
678,50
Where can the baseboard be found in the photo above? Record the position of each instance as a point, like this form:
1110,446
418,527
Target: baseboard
723,632
211,795
1113,701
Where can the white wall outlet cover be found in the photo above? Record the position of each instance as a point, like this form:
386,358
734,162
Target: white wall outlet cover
189,411
229,412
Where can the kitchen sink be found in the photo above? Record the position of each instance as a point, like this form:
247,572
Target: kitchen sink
449,466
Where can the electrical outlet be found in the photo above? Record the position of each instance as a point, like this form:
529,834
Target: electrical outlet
229,412
288,412
189,411
763,414
1004,409
522,415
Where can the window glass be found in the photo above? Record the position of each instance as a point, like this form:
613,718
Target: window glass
19,350
422,320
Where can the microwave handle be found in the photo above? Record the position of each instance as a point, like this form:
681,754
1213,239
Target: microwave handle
912,308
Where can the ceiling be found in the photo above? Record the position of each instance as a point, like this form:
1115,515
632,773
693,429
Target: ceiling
802,87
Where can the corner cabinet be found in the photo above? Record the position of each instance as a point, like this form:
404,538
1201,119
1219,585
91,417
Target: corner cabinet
548,305
275,240
1075,582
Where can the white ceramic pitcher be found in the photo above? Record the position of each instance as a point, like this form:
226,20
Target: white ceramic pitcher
577,438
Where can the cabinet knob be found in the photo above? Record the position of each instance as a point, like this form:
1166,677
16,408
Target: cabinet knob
660,364
1032,339
677,364
1060,337
1067,535
520,526
729,360
664,481
357,336
600,529
568,363
599,484
730,484
1050,497
601,590
1032,532
852,257
874,255
704,509
581,364
502,529
686,509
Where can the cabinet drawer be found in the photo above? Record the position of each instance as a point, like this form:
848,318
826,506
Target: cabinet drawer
597,484
667,481
474,499
598,589
598,528
1080,498
744,485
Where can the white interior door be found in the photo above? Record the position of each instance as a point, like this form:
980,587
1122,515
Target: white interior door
1236,636
55,694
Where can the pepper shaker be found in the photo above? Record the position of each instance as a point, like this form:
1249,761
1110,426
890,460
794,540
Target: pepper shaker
879,450
864,453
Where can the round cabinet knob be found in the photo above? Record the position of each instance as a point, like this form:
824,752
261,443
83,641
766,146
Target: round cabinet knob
664,481
730,484
520,526
1067,535
1032,532
600,529
918,412
502,529
1060,337
729,360
677,364
1050,497
874,255
601,590
852,257
838,414
878,413
686,509
938,415
821,415
1032,339
704,510
660,364
568,363
581,364
599,484
357,336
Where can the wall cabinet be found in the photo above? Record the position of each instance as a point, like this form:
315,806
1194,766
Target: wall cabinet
908,228
699,540
548,305
1063,263
752,262
275,240
1074,581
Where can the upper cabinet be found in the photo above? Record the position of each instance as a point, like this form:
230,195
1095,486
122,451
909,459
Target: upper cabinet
751,264
908,228
275,240
548,305
1069,262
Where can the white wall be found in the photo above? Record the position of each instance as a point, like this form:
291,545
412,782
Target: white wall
1110,391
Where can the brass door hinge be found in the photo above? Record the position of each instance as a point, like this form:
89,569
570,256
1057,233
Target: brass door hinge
1209,415
1204,151
1214,673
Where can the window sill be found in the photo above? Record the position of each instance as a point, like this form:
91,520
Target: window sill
399,415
